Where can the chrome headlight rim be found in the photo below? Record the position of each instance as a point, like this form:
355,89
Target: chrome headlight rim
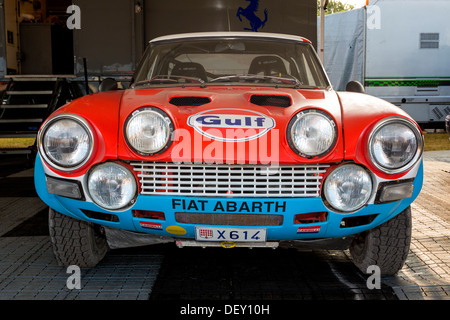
299,115
419,139
169,130
41,135
326,182
125,206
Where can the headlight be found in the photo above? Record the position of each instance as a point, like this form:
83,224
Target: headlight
148,130
348,188
394,145
66,142
312,133
111,186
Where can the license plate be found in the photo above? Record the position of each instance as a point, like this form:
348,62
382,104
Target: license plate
230,234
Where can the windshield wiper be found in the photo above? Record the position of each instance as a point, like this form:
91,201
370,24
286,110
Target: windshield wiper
168,79
291,80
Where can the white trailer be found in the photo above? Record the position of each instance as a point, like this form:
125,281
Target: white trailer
399,50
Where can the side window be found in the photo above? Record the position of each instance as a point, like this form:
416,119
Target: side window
308,73
305,73
151,70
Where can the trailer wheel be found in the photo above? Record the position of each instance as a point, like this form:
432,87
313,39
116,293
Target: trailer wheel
76,242
385,246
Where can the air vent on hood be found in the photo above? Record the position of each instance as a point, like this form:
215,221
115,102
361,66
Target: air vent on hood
271,100
189,101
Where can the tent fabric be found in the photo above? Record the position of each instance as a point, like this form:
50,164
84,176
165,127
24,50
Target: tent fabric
344,47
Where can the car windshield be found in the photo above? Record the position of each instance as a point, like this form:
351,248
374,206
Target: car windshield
235,61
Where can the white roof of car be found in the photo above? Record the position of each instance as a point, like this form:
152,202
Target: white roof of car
222,34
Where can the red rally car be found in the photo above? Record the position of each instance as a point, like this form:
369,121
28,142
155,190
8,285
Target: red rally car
230,139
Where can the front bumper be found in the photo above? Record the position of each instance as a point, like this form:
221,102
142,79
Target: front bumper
337,225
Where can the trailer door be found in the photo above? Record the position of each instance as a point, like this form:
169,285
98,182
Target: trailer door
107,37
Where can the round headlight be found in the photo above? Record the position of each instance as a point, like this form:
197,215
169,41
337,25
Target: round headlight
148,130
111,186
348,188
66,142
312,133
394,145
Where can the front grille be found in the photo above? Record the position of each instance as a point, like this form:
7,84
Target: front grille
229,219
229,180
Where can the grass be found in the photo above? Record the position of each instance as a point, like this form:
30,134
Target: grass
436,141
16,143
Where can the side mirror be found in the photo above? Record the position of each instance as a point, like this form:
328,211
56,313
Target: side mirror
108,84
355,86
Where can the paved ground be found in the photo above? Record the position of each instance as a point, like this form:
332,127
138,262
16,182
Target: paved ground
427,271
28,269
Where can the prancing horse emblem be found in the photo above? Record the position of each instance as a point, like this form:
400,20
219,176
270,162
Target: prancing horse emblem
250,13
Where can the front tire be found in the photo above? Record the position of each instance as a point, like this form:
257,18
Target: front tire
76,242
385,246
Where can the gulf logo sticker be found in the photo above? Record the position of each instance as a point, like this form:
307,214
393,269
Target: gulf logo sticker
231,125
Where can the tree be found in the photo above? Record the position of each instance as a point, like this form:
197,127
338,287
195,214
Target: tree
334,7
